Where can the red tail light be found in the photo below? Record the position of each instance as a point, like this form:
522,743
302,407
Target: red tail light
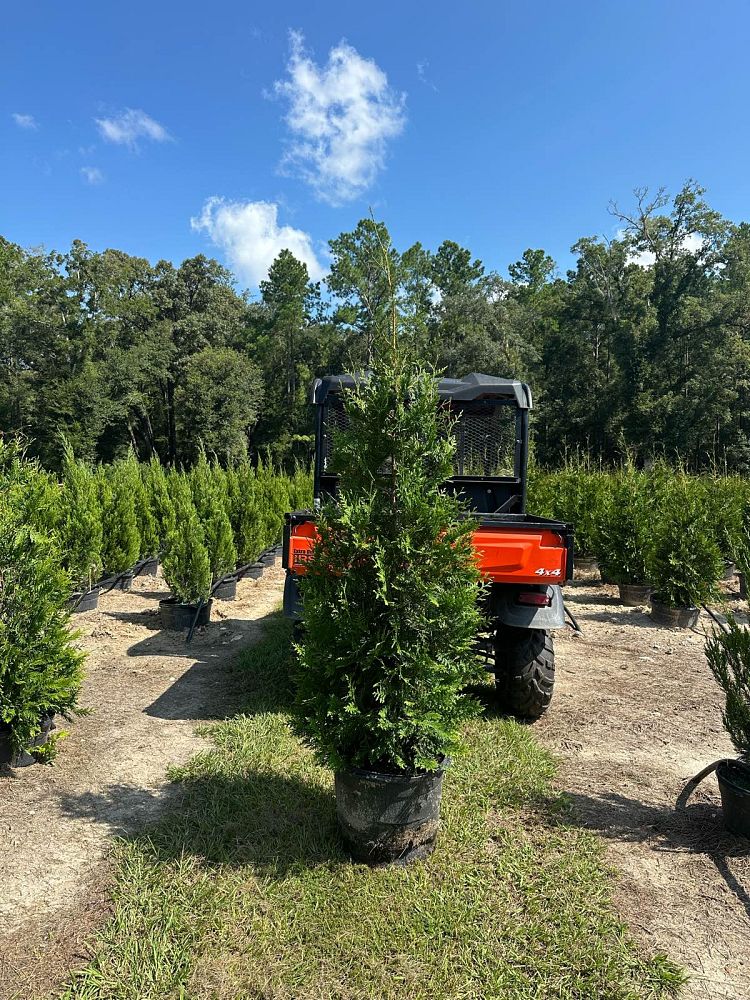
535,598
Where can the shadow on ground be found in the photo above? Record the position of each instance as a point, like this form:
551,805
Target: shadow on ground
232,813
695,828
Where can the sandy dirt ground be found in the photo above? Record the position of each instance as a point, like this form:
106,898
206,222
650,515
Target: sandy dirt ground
636,713
147,692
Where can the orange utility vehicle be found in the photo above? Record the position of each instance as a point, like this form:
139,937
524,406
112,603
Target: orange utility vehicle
525,559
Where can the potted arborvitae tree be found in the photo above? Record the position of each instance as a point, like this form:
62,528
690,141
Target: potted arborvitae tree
624,523
684,560
160,501
80,530
185,564
145,517
728,655
391,617
121,544
40,667
207,484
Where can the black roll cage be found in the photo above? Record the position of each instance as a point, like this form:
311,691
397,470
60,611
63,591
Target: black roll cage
475,393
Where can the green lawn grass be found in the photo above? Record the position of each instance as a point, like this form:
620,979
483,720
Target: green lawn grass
243,891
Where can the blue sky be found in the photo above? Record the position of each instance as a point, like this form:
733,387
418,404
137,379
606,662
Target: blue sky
499,125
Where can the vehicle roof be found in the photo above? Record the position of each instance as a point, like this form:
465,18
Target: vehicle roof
471,387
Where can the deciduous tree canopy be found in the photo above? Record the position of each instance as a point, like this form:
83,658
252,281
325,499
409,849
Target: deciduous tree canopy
643,345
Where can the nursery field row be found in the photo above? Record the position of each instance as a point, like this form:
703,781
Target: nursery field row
61,534
660,530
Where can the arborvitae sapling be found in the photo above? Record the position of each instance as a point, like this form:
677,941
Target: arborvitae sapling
210,503
40,667
81,522
185,563
122,542
160,501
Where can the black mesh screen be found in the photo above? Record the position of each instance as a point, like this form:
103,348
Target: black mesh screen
485,436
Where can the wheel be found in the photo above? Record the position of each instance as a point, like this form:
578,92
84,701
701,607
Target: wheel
524,670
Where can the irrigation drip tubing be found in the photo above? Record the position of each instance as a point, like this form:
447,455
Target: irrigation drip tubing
690,787
198,610
576,627
722,625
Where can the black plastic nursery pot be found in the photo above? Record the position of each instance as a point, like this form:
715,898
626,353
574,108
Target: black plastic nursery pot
81,601
124,582
743,584
734,785
662,614
227,589
634,595
730,570
386,818
178,617
23,759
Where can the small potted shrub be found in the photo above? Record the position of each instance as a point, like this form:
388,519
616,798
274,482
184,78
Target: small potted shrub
40,668
185,564
684,560
728,655
624,524
121,543
80,530
390,619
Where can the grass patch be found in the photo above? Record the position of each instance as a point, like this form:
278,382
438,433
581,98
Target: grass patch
244,893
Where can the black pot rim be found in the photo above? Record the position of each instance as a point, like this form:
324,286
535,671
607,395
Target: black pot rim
390,776
654,599
182,604
724,771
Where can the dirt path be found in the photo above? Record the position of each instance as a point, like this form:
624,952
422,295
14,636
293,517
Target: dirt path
147,691
636,714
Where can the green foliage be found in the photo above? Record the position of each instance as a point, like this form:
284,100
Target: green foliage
80,530
728,655
185,563
390,594
148,532
160,502
219,399
684,561
624,525
40,668
121,544
209,496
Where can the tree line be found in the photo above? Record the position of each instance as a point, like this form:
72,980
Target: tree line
643,347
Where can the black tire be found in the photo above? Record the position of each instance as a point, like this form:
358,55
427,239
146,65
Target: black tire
524,670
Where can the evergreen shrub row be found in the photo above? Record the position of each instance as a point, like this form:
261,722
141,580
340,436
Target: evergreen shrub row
658,526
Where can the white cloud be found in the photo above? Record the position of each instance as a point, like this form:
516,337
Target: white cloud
341,117
130,126
24,121
251,238
645,258
92,175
